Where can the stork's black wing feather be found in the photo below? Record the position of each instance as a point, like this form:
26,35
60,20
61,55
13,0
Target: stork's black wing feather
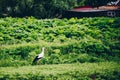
35,60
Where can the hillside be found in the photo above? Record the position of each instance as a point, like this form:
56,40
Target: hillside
66,40
85,49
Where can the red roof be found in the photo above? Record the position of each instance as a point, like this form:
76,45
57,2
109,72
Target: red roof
83,8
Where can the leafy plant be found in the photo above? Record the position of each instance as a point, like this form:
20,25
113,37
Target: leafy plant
67,40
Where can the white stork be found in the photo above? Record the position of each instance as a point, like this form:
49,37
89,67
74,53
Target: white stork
39,56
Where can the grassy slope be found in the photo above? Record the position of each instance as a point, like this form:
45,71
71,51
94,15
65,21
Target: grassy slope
95,34
60,70
66,40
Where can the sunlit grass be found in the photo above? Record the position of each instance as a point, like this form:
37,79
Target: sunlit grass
87,68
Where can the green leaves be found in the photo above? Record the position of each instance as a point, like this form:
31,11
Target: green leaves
63,38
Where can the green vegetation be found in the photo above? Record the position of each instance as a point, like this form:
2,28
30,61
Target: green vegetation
36,8
66,41
82,71
84,48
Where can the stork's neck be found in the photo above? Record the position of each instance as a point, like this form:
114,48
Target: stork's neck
43,50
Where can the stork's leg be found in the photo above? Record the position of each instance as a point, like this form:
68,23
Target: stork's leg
38,63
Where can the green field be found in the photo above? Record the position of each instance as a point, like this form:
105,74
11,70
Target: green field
82,49
82,71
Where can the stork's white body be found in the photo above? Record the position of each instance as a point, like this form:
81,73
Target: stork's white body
41,54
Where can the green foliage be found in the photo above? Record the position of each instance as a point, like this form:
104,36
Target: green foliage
36,8
66,40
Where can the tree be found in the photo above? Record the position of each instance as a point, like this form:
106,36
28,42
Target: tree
37,8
